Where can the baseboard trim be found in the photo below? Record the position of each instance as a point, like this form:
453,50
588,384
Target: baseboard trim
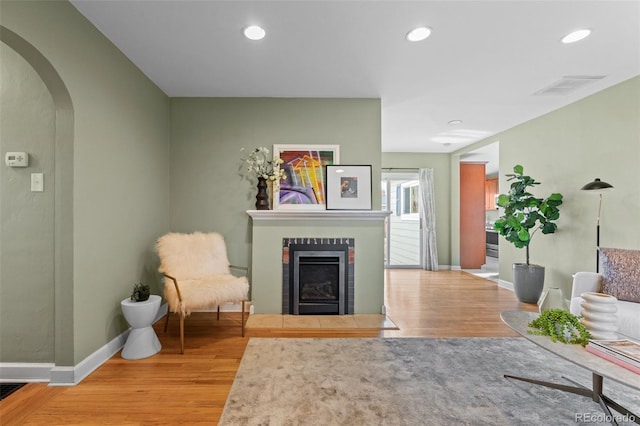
235,307
25,372
505,284
67,375
440,267
446,268
71,376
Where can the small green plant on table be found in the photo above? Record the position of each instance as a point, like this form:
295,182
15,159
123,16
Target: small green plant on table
141,292
561,326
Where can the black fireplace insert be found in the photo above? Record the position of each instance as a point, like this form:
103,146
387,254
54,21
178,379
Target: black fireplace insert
318,277
319,282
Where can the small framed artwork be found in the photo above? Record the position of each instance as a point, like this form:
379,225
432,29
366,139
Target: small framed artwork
304,167
348,187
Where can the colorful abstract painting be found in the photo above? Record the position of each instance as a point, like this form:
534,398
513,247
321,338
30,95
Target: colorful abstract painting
304,167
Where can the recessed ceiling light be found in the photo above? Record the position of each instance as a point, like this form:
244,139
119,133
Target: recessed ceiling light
454,122
418,34
254,32
576,36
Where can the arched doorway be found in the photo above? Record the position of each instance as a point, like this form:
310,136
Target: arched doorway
61,185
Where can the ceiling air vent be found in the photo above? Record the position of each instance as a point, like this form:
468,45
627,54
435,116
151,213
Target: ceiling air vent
569,84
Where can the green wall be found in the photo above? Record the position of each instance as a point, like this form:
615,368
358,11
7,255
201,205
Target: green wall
26,218
209,191
598,136
120,149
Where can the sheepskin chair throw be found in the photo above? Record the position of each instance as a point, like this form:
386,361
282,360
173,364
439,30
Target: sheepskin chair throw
199,263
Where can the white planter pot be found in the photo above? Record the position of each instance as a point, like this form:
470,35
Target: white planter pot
599,315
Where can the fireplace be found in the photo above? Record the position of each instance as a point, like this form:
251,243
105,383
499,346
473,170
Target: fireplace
317,276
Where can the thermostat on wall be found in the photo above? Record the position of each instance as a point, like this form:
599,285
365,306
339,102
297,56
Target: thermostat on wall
16,159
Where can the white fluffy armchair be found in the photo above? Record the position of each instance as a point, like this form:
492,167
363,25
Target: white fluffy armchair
198,275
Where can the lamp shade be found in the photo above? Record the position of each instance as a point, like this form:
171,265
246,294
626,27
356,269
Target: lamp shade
597,185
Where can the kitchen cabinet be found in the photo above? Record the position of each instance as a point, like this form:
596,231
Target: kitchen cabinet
472,215
490,192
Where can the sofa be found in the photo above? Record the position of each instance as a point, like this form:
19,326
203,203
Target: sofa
619,277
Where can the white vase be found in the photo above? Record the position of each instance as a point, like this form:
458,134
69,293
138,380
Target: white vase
599,315
551,299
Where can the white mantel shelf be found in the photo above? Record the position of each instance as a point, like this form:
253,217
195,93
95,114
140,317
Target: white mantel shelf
287,214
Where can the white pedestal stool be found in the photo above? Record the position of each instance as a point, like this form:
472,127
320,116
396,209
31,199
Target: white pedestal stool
142,341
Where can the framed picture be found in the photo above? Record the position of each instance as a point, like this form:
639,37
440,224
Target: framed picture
348,187
304,167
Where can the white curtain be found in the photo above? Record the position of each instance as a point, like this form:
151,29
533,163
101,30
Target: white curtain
429,259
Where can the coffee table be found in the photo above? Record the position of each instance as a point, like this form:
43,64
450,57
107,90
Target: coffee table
599,367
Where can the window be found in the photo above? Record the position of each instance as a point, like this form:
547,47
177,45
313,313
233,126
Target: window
402,232
410,200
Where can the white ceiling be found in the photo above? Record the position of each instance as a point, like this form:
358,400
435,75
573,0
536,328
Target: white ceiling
482,64
487,154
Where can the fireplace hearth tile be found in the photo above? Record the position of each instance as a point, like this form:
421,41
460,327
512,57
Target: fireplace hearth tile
301,321
338,321
374,321
265,321
357,321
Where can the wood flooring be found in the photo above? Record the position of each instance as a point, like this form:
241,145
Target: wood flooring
191,389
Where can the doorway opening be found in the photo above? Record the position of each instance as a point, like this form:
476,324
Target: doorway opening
402,240
477,233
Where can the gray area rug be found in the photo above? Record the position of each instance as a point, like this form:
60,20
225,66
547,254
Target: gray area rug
410,381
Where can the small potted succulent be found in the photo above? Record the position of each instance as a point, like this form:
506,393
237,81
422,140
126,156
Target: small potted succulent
561,326
141,292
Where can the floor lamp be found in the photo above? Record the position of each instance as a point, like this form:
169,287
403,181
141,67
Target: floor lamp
597,187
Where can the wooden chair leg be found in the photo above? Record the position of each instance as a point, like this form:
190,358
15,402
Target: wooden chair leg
218,316
182,333
242,318
166,322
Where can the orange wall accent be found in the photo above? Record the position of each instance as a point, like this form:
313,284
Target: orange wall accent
472,216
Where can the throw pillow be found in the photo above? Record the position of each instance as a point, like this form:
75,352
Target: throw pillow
621,273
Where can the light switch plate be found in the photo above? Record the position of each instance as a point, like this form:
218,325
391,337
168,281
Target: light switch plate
37,182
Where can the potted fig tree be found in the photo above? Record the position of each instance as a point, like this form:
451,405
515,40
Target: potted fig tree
525,215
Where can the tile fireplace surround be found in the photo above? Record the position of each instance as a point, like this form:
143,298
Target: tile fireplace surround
270,227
